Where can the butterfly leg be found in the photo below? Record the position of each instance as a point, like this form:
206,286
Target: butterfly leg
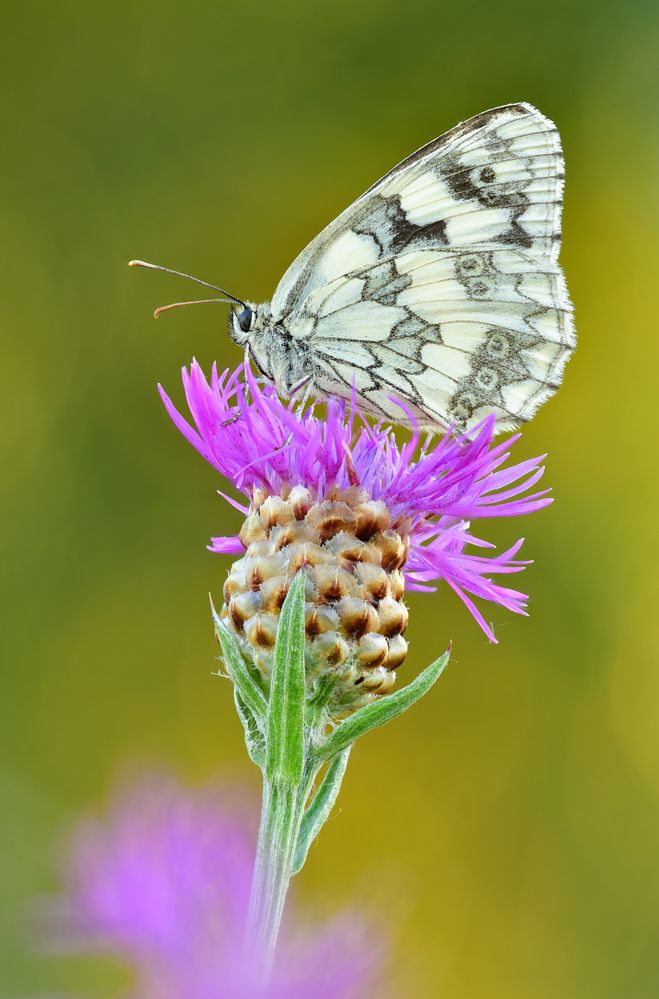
307,384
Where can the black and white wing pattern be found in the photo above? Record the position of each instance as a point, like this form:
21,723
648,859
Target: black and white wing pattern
440,286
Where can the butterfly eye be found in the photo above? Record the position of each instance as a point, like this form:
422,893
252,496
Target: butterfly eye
246,319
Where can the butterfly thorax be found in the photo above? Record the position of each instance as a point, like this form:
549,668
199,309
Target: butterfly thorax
280,357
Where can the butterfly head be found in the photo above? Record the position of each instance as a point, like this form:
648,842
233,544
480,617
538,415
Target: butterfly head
250,326
246,321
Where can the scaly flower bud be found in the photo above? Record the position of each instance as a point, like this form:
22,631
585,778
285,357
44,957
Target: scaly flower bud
354,612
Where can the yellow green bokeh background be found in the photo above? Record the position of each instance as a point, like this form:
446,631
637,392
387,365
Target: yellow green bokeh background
507,829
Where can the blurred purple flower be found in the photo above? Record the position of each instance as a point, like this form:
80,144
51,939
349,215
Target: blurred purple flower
433,488
163,883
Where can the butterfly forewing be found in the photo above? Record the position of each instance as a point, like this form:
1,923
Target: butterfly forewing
440,285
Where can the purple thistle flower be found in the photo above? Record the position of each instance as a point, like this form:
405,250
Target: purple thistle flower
433,489
163,883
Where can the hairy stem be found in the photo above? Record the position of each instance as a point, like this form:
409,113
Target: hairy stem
281,816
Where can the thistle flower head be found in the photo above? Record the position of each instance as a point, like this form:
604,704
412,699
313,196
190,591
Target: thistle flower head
365,515
163,883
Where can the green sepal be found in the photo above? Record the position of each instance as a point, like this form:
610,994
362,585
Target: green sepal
242,676
317,700
318,811
285,743
253,735
383,710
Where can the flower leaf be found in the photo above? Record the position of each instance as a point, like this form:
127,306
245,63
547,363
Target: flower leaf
378,712
320,808
253,735
239,671
285,744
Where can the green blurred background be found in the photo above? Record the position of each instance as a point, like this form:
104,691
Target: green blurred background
507,829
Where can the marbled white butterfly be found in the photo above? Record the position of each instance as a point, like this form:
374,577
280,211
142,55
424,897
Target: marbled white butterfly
439,288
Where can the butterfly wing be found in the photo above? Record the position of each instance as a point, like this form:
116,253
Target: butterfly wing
440,285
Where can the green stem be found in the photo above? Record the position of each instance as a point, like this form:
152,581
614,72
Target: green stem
281,816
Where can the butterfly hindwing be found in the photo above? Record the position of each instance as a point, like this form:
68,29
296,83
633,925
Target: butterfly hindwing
440,286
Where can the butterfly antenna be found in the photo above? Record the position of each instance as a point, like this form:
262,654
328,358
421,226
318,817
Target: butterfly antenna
207,284
197,301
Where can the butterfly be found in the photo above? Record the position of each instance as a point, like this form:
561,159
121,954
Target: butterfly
436,298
